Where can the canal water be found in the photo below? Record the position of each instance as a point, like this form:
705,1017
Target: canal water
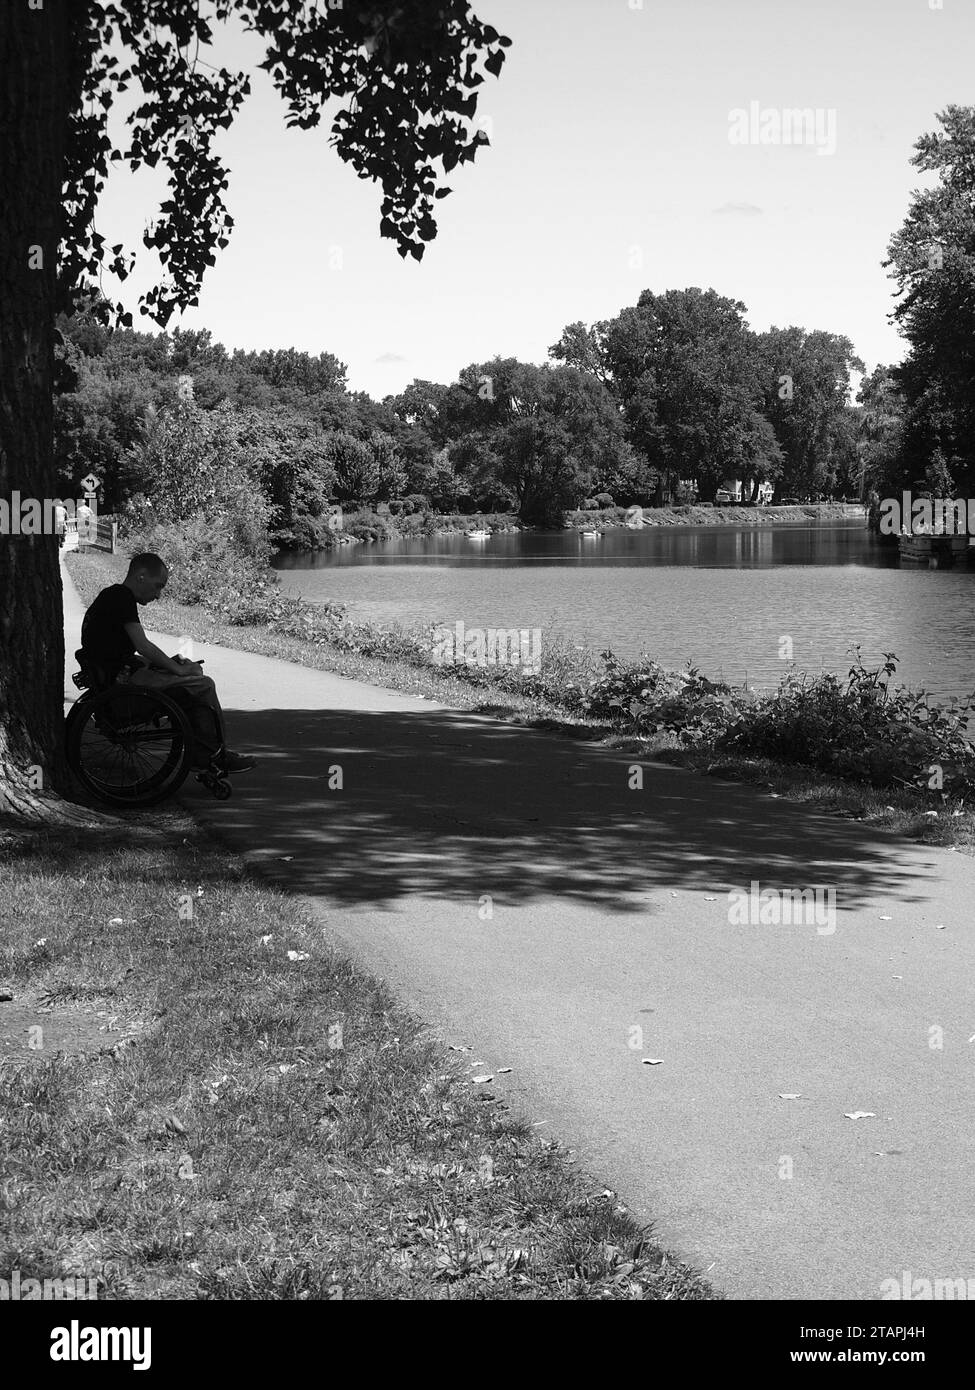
723,597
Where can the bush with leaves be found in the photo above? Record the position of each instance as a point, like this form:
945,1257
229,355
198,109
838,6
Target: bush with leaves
862,728
565,669
366,524
644,698
208,564
187,459
326,624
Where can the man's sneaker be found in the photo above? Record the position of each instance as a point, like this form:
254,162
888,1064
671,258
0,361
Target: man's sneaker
237,762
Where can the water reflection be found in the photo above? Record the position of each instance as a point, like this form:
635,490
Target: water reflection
798,543
723,597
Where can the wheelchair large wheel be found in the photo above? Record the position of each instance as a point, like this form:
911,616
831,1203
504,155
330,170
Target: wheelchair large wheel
129,747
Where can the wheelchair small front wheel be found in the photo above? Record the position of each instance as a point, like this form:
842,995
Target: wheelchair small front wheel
214,783
128,747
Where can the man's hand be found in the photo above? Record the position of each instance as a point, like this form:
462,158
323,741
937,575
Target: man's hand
157,658
190,668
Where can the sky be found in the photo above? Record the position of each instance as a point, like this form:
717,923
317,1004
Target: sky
616,164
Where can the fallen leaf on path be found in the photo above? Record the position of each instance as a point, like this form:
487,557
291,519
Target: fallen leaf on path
885,917
266,939
940,926
479,1080
709,898
284,857
859,1115
652,1061
297,955
789,1095
503,1069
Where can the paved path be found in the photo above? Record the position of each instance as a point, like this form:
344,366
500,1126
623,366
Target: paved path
610,914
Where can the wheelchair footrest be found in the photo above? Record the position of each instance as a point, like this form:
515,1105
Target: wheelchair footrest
214,782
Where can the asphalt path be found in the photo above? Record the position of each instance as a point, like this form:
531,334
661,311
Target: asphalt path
525,899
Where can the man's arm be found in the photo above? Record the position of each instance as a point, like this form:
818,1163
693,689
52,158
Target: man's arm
156,656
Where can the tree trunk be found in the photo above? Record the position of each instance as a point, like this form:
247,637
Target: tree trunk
35,105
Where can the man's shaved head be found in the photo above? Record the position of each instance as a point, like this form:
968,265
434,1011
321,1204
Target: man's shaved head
147,577
147,563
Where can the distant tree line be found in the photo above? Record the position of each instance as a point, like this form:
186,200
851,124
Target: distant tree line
675,388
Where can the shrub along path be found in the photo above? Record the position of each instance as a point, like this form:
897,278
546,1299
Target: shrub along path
518,892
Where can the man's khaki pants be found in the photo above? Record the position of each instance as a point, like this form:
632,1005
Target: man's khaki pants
198,696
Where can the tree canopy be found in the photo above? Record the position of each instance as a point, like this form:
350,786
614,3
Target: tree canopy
407,72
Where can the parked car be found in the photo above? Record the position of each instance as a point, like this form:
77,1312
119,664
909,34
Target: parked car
722,497
790,502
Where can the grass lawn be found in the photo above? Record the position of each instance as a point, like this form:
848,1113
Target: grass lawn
237,1113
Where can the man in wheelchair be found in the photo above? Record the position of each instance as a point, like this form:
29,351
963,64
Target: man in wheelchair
113,643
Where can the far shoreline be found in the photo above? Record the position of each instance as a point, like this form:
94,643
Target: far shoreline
365,526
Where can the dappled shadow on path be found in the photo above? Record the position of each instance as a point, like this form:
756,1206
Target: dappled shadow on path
449,805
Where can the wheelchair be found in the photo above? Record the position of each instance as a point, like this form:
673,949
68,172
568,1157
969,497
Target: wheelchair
130,746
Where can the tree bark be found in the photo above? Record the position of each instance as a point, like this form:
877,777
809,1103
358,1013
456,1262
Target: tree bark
35,106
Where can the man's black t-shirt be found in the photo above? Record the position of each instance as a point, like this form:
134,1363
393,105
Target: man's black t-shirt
103,634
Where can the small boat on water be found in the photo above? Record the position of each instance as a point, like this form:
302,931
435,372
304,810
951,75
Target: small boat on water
477,535
940,550
592,535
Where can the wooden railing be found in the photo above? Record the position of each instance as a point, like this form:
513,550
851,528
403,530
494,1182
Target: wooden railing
104,536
